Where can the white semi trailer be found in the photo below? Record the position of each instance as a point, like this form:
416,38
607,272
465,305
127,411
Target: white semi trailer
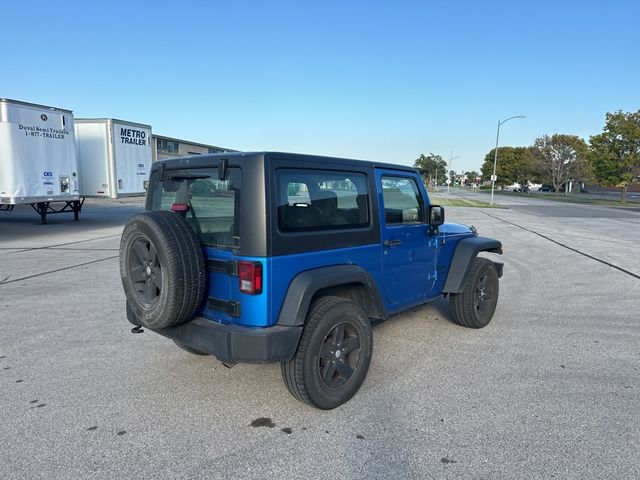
114,157
38,160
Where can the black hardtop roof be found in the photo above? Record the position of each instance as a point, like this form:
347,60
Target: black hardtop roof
198,161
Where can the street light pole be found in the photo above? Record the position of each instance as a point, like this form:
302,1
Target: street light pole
451,159
495,157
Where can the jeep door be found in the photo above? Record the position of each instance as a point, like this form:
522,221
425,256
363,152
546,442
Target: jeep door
408,254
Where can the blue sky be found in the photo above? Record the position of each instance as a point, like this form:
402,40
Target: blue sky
374,80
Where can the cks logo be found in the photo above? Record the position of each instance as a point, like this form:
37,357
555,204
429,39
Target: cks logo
47,174
141,165
44,118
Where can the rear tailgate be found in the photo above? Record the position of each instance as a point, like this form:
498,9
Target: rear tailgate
212,208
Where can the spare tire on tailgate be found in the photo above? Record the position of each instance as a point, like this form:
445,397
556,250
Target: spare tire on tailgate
162,269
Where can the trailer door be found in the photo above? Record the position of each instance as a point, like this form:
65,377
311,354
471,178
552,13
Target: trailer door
132,157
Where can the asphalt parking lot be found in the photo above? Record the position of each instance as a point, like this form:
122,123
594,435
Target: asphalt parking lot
550,389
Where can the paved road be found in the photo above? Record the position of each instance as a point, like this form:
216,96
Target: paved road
549,389
611,234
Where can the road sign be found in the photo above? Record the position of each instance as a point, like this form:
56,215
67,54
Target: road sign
494,178
448,182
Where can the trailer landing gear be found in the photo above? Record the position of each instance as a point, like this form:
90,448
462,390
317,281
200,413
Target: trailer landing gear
45,208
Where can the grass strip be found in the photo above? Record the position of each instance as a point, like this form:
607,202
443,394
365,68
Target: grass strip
574,198
460,202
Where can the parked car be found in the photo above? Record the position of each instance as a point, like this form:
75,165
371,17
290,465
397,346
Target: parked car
546,188
274,257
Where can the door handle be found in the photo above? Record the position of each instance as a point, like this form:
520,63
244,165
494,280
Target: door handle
392,243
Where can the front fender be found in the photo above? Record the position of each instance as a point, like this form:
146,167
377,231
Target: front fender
466,252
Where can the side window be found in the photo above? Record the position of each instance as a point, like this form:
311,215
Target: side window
402,200
321,200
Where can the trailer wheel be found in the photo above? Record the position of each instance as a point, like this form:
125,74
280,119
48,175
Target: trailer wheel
162,269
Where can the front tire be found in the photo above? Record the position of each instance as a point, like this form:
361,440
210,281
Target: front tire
333,356
475,305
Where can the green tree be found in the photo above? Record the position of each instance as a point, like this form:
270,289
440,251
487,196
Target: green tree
560,158
615,153
515,164
431,167
471,177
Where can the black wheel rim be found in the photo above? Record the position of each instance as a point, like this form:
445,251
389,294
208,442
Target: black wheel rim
484,296
339,355
145,271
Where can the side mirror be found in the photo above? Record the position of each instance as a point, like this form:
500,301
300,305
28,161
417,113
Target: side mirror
436,215
436,218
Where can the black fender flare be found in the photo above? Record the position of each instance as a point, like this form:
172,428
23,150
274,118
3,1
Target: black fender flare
304,286
465,253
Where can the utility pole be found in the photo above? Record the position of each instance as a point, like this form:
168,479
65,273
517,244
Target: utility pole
451,159
495,157
436,176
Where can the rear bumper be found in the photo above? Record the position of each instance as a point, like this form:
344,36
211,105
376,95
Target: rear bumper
237,344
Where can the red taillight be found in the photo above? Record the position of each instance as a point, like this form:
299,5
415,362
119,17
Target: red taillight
250,277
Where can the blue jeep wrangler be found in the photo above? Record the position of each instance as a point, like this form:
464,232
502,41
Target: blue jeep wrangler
277,257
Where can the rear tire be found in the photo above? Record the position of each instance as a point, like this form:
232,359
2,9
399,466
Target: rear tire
333,356
162,269
475,305
192,256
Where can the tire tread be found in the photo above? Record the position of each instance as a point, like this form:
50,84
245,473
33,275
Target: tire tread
293,371
184,269
462,308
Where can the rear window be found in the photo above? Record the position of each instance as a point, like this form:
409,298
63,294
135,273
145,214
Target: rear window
321,200
213,204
